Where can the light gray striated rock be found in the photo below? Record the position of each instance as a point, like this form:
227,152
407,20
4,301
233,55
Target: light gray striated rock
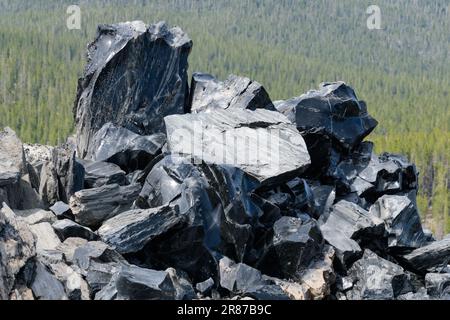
93,206
95,251
128,150
45,236
68,247
148,67
69,229
17,248
100,173
130,231
12,158
207,93
33,216
262,143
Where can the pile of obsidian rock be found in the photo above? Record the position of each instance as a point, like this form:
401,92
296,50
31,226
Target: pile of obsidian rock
153,198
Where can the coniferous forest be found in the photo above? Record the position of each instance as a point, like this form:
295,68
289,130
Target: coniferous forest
402,71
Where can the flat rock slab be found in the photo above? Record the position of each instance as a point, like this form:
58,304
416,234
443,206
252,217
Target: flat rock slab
93,206
46,286
262,143
100,173
61,210
435,254
128,150
235,92
12,158
130,231
148,67
69,229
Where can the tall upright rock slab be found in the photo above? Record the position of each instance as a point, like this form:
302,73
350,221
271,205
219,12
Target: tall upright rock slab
135,75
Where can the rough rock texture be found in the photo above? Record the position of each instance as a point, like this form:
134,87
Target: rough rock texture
46,286
100,173
235,92
93,206
375,278
435,254
148,66
347,224
132,230
402,221
124,148
17,249
333,110
46,238
438,285
62,210
69,229
262,143
12,158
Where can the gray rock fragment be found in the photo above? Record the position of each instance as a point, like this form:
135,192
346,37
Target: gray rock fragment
46,286
93,206
69,229
130,231
100,173
207,93
435,254
45,236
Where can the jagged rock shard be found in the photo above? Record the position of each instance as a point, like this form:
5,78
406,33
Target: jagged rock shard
235,92
45,236
100,173
262,143
435,254
335,110
17,248
12,158
294,245
93,206
130,231
134,283
69,229
128,150
346,223
375,278
61,210
239,277
45,285
402,221
135,75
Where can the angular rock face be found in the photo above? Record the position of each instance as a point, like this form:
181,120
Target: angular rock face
402,221
335,110
238,277
69,229
12,158
45,285
17,249
294,245
375,278
132,230
435,254
100,173
124,148
134,283
347,224
93,206
262,143
438,285
207,93
148,66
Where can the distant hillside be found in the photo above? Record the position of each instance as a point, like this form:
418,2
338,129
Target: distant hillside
402,71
